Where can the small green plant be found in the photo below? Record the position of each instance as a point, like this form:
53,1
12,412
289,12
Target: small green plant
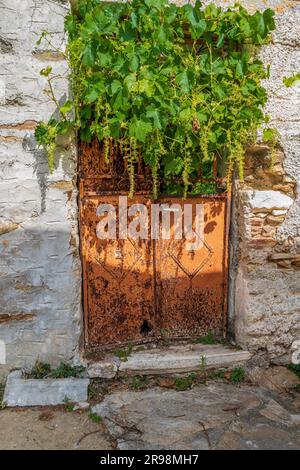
95,418
139,382
237,375
123,354
203,365
92,390
98,388
184,383
40,370
210,338
66,370
69,405
290,81
294,368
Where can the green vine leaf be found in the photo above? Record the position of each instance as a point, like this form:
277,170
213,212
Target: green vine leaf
46,71
180,85
290,81
140,129
67,107
184,79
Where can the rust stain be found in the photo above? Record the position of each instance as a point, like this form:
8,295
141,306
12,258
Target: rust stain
10,138
8,317
27,125
8,227
27,287
52,56
63,185
73,241
24,287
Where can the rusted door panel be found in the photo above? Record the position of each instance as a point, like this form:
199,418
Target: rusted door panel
191,285
135,290
118,281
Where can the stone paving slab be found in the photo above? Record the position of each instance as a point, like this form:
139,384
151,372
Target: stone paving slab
213,416
278,379
43,392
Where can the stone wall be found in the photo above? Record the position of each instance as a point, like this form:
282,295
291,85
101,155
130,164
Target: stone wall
265,274
40,271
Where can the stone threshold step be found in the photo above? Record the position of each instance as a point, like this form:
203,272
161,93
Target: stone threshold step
178,359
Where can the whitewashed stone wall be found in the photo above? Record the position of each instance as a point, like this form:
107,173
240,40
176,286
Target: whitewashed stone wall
40,271
265,255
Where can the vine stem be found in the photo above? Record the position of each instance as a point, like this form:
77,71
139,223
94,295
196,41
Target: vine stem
55,99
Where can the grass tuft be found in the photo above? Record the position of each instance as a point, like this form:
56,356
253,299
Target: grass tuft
43,370
237,375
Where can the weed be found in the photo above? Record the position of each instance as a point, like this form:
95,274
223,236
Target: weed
92,390
184,383
69,405
139,382
95,418
97,389
294,368
66,370
203,365
42,370
238,374
123,354
210,338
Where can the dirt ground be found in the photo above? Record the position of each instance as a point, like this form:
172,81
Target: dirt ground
49,429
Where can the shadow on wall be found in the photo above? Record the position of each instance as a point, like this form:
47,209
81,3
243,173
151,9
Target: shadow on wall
65,164
41,305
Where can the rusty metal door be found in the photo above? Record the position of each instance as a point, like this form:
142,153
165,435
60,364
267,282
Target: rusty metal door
192,283
140,290
118,280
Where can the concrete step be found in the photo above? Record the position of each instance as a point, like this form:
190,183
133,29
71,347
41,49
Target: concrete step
177,359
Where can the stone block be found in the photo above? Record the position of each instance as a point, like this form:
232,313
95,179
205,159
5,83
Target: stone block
182,359
278,212
284,256
265,201
43,392
174,360
104,370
